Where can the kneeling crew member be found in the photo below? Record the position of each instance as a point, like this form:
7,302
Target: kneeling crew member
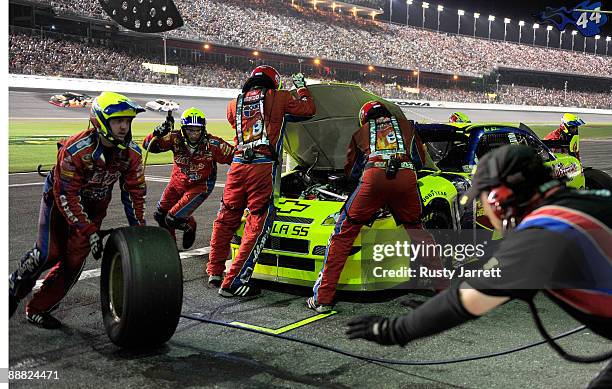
565,133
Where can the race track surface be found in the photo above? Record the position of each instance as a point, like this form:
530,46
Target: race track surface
203,355
30,104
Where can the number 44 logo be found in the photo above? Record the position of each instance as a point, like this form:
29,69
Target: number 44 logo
595,17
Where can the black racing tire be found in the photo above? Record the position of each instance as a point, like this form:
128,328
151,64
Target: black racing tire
437,219
597,179
141,287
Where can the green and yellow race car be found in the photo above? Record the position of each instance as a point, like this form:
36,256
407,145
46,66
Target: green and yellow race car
309,196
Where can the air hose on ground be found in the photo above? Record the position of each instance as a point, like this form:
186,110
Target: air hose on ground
383,360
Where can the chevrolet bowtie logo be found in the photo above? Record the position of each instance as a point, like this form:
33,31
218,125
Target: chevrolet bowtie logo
290,206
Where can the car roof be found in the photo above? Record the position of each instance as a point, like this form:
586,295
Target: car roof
437,132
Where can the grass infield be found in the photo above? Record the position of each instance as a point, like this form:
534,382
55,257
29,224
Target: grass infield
33,142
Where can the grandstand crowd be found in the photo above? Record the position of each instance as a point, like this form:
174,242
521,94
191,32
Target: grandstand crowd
279,26
74,58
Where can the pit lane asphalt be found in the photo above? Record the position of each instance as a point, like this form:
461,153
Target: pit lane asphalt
205,355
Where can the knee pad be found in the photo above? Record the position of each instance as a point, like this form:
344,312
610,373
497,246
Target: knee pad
160,218
176,222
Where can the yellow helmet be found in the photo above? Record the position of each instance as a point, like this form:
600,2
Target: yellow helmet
112,105
570,123
196,118
459,117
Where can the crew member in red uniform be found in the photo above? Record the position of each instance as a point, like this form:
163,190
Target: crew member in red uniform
562,247
196,154
76,195
568,129
258,115
384,154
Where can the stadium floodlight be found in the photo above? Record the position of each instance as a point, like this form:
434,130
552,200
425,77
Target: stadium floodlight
424,5
573,37
608,39
408,4
506,21
256,53
390,11
206,46
370,68
460,13
317,61
535,27
455,77
440,9
548,30
561,38
476,16
491,19
597,37
521,24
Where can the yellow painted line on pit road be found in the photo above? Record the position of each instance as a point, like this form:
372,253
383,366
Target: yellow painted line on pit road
286,328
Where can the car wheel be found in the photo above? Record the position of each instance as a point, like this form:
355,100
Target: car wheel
141,286
437,219
597,179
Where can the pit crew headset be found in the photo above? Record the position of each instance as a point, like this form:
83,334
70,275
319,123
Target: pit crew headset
386,140
112,105
193,117
250,121
511,200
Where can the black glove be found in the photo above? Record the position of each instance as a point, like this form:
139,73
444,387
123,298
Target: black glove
162,130
95,245
298,80
374,328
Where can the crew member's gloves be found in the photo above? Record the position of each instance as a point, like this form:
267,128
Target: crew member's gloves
95,245
374,328
162,130
298,80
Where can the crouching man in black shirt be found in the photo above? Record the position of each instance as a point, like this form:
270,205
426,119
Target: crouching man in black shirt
560,245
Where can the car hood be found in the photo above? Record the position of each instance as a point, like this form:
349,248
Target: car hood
323,140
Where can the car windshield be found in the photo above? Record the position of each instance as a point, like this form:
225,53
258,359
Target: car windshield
448,155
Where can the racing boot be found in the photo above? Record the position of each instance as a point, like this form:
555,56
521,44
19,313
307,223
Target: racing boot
44,320
319,308
245,290
189,234
214,282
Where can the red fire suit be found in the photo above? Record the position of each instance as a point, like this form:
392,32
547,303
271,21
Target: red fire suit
75,198
250,179
193,175
561,135
366,158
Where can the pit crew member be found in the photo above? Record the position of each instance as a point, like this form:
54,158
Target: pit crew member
196,154
258,115
561,247
75,198
565,133
383,155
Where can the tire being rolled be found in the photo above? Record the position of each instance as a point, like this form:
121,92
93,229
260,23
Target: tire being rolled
141,286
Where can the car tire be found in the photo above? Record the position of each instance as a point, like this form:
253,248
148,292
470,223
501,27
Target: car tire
141,287
437,219
597,179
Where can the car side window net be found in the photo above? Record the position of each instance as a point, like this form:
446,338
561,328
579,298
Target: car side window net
491,141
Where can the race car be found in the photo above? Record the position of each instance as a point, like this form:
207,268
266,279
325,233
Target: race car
162,105
310,197
71,100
